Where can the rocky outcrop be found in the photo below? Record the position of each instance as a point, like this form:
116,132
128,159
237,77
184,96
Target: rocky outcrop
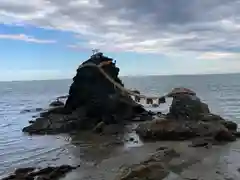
187,107
90,86
188,118
52,122
92,99
183,130
48,173
152,168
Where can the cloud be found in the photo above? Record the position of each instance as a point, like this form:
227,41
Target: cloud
153,26
218,55
26,38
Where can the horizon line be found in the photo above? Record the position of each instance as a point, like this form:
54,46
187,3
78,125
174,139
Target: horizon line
126,76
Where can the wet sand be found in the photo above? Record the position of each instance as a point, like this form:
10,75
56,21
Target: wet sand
106,160
103,157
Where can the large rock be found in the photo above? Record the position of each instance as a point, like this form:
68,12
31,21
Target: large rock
231,126
90,86
92,93
92,90
187,107
183,130
188,118
55,121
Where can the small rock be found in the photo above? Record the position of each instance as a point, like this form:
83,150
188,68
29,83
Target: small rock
199,143
48,173
151,170
151,113
187,107
162,100
131,139
56,103
10,177
225,135
24,170
237,134
39,109
155,105
232,126
161,148
25,111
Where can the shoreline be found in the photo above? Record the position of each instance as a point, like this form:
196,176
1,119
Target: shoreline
200,163
108,155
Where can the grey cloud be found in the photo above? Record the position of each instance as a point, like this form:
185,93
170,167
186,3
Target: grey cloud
173,11
202,25
16,8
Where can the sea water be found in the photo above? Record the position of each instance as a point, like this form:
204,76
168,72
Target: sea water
220,92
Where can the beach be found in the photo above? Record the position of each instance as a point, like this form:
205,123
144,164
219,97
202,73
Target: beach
20,101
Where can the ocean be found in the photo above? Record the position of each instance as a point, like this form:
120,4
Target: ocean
220,92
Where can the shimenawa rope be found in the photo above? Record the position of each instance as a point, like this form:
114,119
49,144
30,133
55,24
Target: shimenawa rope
117,85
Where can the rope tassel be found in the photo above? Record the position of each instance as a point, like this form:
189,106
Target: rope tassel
149,101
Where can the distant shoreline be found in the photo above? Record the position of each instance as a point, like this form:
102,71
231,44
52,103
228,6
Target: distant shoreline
128,76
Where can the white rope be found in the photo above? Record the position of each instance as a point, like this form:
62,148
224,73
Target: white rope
119,86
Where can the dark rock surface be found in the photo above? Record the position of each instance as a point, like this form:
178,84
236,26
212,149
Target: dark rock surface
92,99
200,143
187,107
232,126
152,168
188,118
48,173
56,103
183,130
90,86
31,110
237,134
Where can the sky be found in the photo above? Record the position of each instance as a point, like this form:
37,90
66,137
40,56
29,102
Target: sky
49,39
